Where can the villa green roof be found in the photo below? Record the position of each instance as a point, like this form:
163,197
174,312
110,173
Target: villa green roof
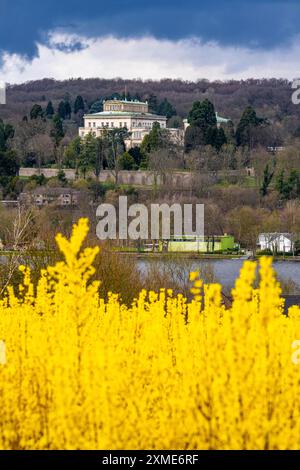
110,114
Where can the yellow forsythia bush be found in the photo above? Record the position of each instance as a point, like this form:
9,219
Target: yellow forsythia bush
82,373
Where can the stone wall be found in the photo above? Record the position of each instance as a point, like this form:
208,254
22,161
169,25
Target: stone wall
181,180
135,178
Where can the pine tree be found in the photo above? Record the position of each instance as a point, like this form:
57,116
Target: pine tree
96,107
220,139
62,110
152,141
36,111
57,131
267,178
49,110
9,165
79,104
202,114
6,133
68,110
166,109
153,104
246,127
203,127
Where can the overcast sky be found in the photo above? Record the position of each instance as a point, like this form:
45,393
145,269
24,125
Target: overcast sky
188,39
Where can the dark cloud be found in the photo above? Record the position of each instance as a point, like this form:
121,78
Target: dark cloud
256,23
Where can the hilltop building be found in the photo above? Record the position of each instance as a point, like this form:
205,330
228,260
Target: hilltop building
135,117
132,115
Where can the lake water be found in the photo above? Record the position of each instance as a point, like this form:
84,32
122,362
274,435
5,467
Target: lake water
226,271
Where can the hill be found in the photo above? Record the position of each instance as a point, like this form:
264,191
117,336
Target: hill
271,98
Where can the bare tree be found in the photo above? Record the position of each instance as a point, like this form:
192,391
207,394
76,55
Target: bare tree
19,235
115,148
41,145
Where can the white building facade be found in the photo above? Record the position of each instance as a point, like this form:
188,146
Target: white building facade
132,115
276,242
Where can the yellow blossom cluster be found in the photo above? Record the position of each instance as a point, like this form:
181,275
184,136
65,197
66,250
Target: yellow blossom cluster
165,373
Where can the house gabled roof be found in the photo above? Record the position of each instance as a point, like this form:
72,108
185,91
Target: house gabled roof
275,235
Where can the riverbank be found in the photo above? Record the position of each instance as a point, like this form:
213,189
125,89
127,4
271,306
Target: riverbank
198,256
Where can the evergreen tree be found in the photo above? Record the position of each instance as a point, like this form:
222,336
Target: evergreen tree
136,154
153,104
72,152
280,183
97,107
68,110
193,138
57,131
49,110
288,188
62,110
267,178
6,134
294,184
166,109
245,133
9,165
220,139
61,176
202,115
87,154
229,132
203,127
79,104
126,161
154,140
91,155
36,112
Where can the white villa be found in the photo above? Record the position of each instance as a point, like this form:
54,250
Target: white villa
135,117
132,115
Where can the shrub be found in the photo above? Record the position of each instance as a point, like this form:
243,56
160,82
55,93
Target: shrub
81,372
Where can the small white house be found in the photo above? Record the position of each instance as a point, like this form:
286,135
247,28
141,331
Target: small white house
276,242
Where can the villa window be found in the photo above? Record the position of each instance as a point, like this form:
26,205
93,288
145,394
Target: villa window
112,124
121,124
94,124
90,124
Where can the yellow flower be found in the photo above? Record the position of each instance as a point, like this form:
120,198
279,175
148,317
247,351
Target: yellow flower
81,372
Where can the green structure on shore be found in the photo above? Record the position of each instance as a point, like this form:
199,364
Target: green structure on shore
206,244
